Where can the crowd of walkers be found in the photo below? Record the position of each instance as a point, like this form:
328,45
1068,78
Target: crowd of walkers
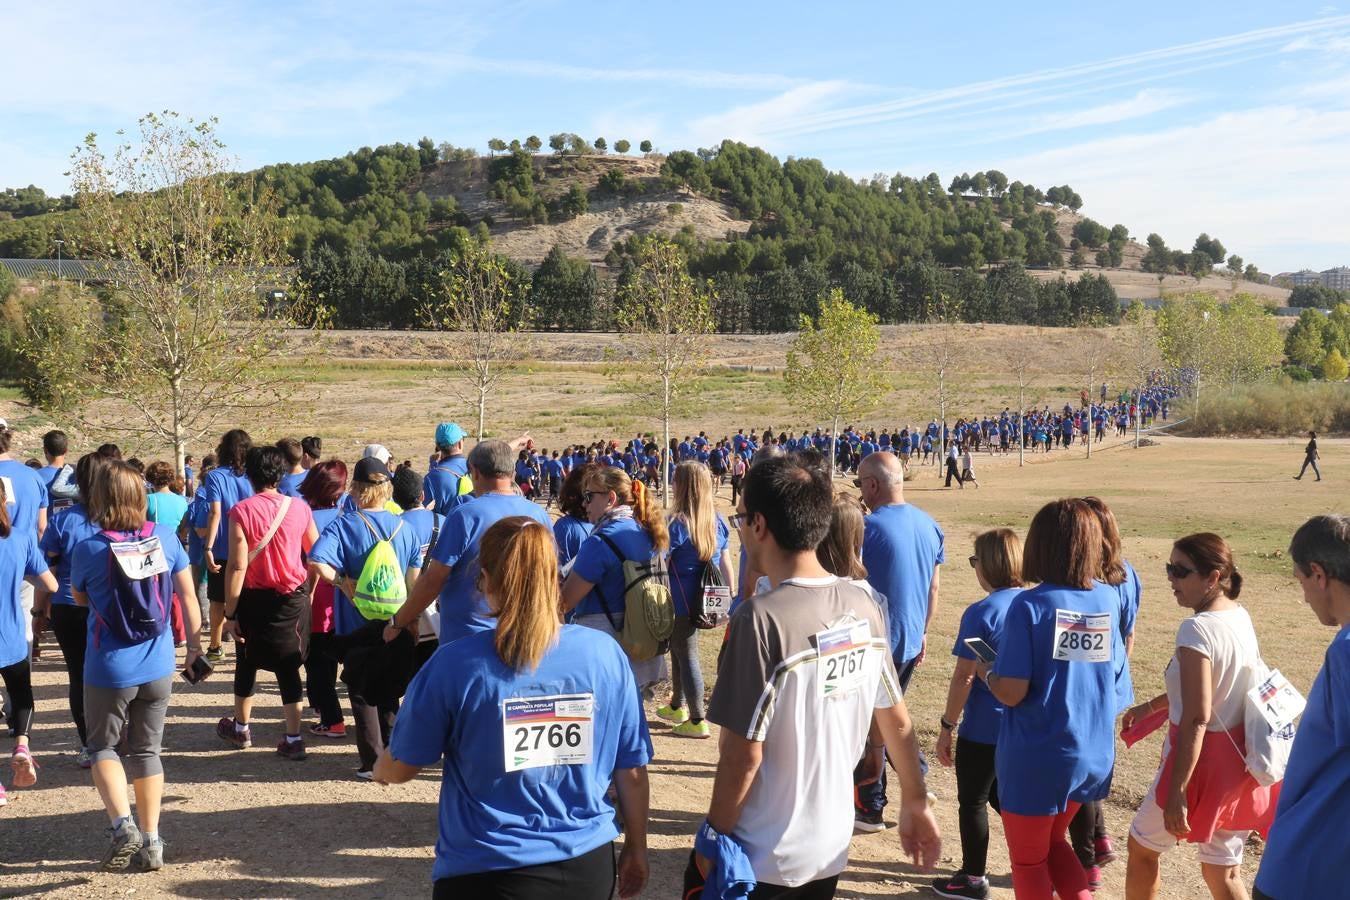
453,608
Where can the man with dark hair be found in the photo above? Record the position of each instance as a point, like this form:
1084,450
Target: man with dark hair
58,476
312,451
1305,852
803,670
1310,457
295,469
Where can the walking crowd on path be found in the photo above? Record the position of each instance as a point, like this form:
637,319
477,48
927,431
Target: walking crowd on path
471,630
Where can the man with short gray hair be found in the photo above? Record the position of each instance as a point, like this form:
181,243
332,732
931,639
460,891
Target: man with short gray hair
1305,853
451,570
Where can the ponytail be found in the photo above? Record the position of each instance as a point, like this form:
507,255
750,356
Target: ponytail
1234,584
5,526
649,517
518,560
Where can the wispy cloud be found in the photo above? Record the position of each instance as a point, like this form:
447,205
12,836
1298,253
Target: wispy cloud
754,122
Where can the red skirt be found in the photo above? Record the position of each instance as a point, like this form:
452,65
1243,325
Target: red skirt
1221,795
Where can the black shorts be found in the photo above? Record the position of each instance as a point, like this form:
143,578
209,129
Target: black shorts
215,584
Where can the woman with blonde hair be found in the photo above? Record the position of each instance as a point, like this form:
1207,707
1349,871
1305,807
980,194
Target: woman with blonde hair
563,700
627,525
998,568
698,540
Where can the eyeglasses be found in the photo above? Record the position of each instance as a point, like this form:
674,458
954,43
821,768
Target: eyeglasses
591,495
973,561
1178,572
739,519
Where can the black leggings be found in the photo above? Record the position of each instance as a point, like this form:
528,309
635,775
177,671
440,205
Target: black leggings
321,668
589,876
976,789
1085,828
70,624
18,680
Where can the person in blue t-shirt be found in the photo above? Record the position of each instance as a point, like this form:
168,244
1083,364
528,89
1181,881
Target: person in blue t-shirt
998,569
627,526
572,528
338,557
127,684
70,622
451,574
223,487
323,489
447,483
698,539
289,485
58,476
20,561
1055,676
1306,850
163,505
534,720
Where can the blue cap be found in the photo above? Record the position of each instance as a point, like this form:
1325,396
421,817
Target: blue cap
448,434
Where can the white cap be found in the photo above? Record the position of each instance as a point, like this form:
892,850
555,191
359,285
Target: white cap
3,424
377,451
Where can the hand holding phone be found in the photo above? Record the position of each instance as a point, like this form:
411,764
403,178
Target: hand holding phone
985,653
199,669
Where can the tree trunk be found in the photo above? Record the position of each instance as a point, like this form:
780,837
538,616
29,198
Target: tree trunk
482,407
834,448
665,442
179,441
1021,426
1138,417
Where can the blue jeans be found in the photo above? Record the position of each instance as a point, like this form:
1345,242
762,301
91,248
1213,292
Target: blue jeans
686,676
872,795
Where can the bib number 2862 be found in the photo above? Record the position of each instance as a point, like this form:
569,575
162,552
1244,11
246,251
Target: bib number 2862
547,731
1082,637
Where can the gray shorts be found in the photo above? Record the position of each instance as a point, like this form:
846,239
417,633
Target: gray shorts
141,710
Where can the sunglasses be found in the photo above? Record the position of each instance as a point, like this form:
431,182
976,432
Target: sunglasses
739,519
973,561
591,495
1178,572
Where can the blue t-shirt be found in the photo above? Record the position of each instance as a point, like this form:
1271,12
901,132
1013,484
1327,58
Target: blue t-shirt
109,663
983,619
1058,745
598,564
25,495
1306,847
440,487
686,569
197,512
344,544
901,546
424,524
67,529
1130,592
223,486
492,819
166,508
19,557
569,532
463,609
290,483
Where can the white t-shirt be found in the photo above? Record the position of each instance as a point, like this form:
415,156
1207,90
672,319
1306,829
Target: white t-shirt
1227,639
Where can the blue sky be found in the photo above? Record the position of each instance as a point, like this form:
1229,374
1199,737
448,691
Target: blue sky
1231,118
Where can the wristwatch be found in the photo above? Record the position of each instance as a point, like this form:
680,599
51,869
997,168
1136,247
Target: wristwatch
946,726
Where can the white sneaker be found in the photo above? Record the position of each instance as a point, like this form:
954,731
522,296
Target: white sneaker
365,774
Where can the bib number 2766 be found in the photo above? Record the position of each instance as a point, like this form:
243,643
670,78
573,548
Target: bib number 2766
547,731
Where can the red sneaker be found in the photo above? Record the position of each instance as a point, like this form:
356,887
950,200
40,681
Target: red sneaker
338,730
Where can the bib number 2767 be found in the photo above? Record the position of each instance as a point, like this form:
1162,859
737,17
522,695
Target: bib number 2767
547,731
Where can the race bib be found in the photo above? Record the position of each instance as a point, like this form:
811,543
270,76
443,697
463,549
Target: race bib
1279,702
547,731
1082,637
717,601
843,657
140,559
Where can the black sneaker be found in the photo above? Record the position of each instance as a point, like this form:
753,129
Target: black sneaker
868,821
963,886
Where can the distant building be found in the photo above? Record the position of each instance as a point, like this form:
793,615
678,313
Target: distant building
1302,277
1338,279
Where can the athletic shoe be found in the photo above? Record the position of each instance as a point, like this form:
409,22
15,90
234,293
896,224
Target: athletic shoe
1106,853
962,885
215,655
83,759
25,770
292,750
151,857
329,731
673,714
122,846
239,740
697,730
365,774
1094,877
868,821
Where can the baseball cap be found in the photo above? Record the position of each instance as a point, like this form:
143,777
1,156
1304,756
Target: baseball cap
377,451
448,434
371,470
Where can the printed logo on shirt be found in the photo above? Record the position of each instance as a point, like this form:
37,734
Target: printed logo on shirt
1082,637
547,731
843,657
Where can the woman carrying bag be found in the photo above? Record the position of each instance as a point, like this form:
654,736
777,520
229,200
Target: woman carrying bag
1203,793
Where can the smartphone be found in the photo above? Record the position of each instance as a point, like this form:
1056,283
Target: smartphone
982,650
199,669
